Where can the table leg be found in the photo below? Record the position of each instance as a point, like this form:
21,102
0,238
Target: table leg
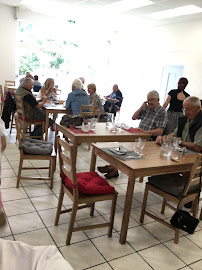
93,160
127,208
46,126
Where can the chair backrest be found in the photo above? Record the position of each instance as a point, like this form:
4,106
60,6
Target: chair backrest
20,106
194,176
58,91
89,110
67,157
9,83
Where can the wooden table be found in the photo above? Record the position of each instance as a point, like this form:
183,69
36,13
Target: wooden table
152,164
55,109
102,134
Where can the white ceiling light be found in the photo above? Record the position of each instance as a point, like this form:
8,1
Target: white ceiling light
175,12
125,5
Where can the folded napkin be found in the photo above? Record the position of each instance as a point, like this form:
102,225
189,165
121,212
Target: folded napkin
77,131
133,130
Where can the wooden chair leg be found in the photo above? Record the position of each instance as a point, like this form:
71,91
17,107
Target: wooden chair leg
12,120
195,208
144,203
71,223
163,206
52,172
177,235
141,179
92,209
200,217
111,221
60,200
19,172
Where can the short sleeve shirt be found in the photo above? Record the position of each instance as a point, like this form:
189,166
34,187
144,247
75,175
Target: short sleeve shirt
175,103
117,95
152,119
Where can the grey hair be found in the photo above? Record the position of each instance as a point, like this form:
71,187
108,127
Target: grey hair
27,82
153,93
77,84
194,101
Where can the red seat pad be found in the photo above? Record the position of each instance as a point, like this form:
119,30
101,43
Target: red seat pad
27,120
90,183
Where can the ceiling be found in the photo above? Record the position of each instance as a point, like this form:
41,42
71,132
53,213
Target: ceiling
98,9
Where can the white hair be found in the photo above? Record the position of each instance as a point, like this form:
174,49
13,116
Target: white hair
27,82
194,101
77,84
82,80
153,93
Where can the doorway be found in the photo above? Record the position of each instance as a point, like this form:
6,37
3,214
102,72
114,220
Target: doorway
169,80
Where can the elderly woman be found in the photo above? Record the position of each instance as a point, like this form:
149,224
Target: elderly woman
49,90
94,99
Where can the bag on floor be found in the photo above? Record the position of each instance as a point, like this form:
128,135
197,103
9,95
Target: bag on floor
184,221
68,120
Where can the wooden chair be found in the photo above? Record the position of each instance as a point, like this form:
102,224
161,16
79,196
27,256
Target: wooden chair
67,158
9,83
89,111
179,195
24,122
23,156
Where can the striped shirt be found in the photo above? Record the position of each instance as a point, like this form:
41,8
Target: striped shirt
95,100
152,119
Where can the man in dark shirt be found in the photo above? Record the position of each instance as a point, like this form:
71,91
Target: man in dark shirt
114,100
33,108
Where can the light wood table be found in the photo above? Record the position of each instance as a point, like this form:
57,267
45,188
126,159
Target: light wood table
152,164
56,109
102,134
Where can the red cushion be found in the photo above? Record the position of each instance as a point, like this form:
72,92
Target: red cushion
90,183
27,120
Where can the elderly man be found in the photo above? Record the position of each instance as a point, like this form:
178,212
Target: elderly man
189,127
114,100
77,97
33,110
153,116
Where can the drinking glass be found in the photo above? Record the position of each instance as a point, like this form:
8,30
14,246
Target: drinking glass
139,146
93,122
110,120
166,149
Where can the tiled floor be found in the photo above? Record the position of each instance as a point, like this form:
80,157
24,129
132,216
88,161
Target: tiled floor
31,209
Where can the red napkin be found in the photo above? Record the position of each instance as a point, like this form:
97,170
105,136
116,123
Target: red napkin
78,130
133,130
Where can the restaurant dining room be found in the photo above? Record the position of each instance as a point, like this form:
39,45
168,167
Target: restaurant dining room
57,194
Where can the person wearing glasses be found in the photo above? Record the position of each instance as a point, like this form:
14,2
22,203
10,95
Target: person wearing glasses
153,116
153,120
175,99
189,127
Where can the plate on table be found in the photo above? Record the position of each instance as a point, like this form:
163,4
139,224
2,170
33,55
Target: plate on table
78,127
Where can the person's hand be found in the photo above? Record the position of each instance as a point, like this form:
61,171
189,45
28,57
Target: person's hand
106,97
159,139
144,104
44,99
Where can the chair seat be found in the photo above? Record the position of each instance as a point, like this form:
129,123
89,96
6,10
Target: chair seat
27,120
90,183
171,183
36,147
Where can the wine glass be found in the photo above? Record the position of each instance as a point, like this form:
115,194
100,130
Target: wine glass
139,146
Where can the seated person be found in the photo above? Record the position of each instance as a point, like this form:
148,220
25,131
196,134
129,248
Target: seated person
33,110
37,84
153,120
95,99
113,101
48,89
153,116
28,75
77,97
189,127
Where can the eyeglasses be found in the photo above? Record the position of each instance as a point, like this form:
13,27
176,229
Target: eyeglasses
187,109
151,100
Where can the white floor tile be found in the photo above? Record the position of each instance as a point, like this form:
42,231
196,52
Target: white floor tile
82,255
159,257
45,202
18,207
196,265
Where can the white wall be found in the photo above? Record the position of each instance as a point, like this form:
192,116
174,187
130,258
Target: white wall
8,35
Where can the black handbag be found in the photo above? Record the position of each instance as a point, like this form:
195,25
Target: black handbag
184,221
